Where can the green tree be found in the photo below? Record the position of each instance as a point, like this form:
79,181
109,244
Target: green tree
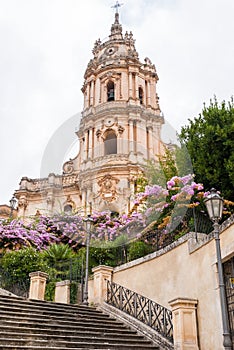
209,139
15,267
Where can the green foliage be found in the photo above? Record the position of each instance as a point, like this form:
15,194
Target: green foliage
158,174
73,292
50,291
58,252
102,255
16,266
168,166
138,249
209,139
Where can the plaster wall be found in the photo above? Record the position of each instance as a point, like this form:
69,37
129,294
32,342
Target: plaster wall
186,270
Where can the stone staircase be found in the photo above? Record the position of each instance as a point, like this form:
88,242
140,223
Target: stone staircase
32,324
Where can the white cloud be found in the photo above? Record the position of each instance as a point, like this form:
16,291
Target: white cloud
46,45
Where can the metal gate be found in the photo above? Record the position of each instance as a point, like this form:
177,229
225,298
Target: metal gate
228,267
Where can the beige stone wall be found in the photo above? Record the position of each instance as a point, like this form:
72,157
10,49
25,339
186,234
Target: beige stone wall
186,271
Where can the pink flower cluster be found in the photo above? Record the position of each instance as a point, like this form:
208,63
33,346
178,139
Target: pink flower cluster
15,234
43,231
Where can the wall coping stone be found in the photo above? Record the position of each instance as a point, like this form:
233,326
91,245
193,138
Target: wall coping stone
39,274
63,283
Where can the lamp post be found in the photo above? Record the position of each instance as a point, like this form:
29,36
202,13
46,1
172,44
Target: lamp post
88,225
12,205
214,205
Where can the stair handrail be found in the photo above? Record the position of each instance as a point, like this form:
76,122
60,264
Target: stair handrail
143,309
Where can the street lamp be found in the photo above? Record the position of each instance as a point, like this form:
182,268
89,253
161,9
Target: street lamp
88,221
214,205
12,205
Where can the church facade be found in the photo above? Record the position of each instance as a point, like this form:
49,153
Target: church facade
120,129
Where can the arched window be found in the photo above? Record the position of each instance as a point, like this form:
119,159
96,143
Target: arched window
68,209
110,143
141,95
110,91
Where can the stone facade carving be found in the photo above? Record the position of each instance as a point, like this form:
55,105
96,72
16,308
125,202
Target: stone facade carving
108,189
22,202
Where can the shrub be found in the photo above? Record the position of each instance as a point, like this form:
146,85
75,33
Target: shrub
138,249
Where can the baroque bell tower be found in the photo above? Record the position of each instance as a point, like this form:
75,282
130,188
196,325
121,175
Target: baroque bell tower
120,129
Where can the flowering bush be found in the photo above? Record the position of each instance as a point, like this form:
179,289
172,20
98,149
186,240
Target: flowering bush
156,208
15,235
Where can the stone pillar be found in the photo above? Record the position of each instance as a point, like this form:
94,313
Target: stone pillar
184,323
62,292
100,91
86,144
90,147
148,94
37,285
100,275
130,85
92,93
88,95
150,142
131,141
136,87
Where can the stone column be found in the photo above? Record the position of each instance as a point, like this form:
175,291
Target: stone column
100,275
90,147
37,285
148,93
184,323
150,142
62,292
100,91
131,146
130,85
88,95
92,93
86,144
136,87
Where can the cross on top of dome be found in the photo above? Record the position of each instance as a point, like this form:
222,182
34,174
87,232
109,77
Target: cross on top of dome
116,6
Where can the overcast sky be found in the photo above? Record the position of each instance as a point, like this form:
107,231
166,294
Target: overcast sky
46,45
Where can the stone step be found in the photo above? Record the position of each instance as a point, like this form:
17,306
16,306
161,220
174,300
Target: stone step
40,311
29,324
48,317
77,327
106,344
92,337
34,304
68,332
109,347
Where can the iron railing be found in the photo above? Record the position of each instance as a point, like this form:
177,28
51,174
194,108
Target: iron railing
143,309
70,269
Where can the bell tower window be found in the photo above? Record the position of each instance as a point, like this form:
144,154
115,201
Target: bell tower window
141,95
110,143
68,209
110,91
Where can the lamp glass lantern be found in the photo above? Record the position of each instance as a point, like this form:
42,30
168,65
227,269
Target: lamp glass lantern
214,205
13,202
